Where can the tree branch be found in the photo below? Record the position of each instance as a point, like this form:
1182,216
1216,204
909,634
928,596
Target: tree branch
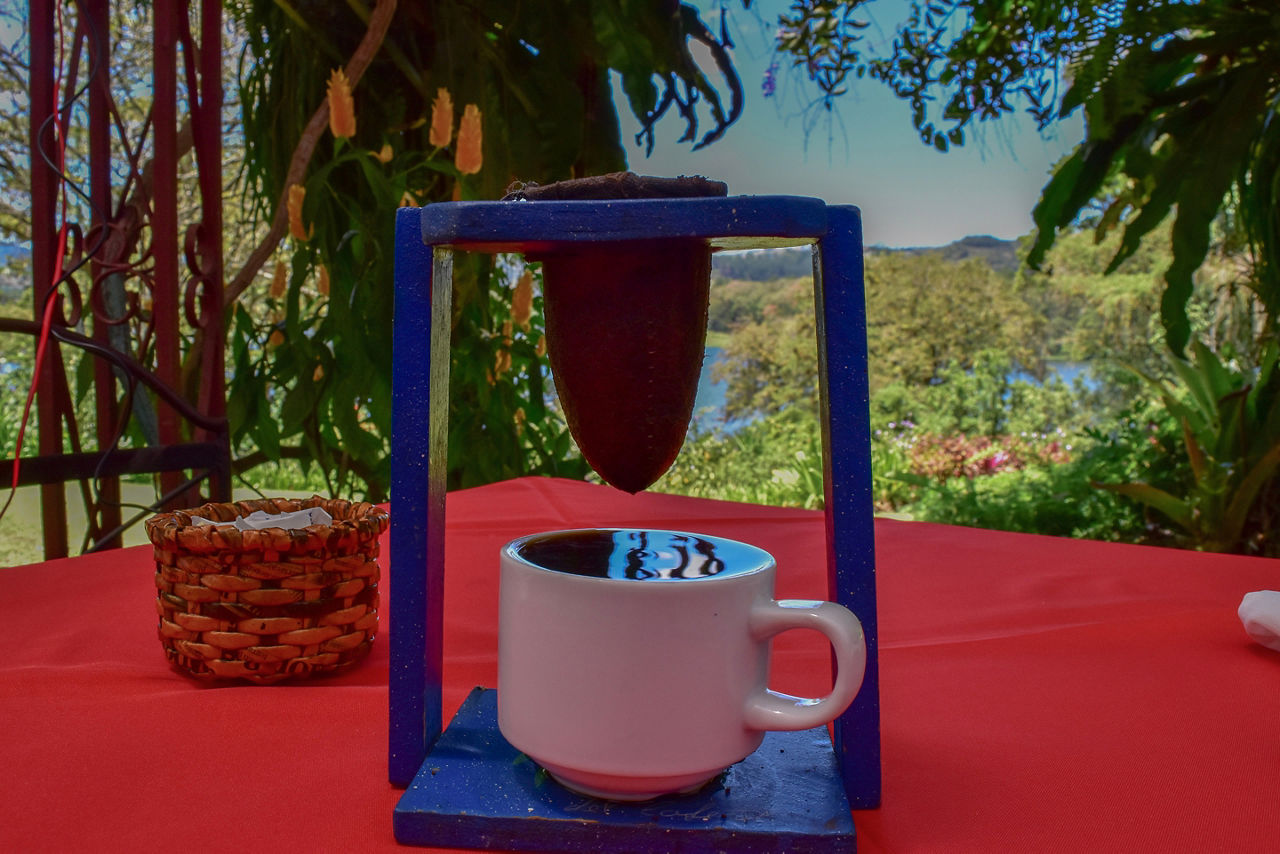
379,23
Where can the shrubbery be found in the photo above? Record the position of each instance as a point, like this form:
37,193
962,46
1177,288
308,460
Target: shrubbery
1143,448
1029,481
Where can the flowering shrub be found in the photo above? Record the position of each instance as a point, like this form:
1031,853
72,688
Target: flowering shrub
943,457
1040,481
906,459
1035,481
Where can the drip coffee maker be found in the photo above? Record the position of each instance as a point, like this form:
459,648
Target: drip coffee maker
466,785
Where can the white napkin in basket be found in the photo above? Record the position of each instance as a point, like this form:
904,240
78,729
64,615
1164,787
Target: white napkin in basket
259,519
1260,613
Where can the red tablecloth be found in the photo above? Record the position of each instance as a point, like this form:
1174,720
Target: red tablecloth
1038,694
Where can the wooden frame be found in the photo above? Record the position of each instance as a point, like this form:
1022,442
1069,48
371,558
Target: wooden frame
425,240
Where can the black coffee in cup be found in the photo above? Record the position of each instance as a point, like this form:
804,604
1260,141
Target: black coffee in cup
640,555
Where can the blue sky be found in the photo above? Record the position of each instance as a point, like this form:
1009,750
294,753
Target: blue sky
868,155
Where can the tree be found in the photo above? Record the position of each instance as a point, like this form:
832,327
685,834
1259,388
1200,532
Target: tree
926,317
315,379
1092,316
770,366
1184,114
309,312
14,202
906,296
1180,103
1180,100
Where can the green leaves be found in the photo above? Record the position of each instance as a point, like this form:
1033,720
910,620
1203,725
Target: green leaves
313,364
1178,122
1074,183
1178,510
1230,419
499,390
906,291
1179,102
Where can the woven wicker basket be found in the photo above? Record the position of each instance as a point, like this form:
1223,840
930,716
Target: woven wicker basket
271,604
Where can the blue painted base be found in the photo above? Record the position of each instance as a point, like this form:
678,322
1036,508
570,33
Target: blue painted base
477,791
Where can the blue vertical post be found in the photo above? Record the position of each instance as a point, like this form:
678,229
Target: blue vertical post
419,413
846,438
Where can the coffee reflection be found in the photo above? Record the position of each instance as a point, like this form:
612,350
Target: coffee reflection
640,555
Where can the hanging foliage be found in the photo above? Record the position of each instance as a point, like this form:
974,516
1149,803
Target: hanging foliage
1179,98
429,102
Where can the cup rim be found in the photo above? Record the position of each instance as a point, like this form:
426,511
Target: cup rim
767,561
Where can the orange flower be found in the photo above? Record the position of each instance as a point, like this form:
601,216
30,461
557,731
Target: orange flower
275,340
541,348
322,280
502,363
317,374
342,107
408,201
279,280
297,194
468,157
384,155
522,300
441,119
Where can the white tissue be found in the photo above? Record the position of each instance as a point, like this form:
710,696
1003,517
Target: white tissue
1260,613
259,519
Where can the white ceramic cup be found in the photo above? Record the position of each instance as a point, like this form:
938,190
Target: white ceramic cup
635,663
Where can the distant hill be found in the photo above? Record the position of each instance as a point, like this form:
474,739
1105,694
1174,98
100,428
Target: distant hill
1002,255
765,265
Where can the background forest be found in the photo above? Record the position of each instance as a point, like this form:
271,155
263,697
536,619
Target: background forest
1001,397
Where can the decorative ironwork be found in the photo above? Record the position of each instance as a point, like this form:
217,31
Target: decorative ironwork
147,296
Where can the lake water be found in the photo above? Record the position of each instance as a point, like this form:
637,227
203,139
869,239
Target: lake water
1067,372
709,403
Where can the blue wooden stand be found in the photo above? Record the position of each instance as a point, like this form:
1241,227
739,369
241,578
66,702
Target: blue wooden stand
471,757
477,791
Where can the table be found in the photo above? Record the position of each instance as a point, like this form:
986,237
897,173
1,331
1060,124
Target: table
1038,694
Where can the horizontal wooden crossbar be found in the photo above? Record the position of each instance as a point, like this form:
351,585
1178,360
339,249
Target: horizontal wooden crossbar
207,456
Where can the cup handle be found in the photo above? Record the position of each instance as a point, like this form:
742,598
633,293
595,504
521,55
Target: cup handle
771,710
